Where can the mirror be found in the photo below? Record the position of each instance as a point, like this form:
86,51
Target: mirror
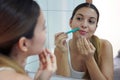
108,26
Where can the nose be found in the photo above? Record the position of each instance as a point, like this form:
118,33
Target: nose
84,24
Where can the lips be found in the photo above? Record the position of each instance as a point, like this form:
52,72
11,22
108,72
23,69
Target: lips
82,32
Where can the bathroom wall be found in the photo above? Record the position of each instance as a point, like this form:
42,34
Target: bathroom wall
109,23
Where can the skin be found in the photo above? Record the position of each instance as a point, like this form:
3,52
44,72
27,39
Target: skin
26,47
89,1
82,50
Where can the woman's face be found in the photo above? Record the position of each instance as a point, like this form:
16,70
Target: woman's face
38,40
86,19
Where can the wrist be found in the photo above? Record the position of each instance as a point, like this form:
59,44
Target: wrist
89,59
46,75
61,51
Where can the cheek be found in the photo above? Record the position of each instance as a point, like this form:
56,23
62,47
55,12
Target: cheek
41,41
76,24
92,30
38,43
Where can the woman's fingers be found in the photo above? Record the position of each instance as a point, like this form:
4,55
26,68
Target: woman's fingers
47,65
48,60
50,55
52,59
43,60
80,44
59,38
85,46
60,42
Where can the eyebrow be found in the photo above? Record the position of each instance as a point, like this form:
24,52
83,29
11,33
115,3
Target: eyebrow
83,16
80,14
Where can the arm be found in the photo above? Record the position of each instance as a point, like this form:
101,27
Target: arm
106,69
61,53
62,63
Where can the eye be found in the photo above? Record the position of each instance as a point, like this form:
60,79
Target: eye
79,18
92,21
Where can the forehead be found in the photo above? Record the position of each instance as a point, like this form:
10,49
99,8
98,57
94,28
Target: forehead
86,11
41,16
40,22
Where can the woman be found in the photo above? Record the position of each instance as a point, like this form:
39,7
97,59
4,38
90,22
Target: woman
85,55
22,34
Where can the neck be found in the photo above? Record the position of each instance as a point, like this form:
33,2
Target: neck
20,58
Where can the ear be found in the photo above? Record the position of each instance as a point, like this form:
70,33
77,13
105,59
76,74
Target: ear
23,44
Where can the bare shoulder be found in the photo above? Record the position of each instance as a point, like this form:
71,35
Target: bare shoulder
105,43
106,57
12,75
106,48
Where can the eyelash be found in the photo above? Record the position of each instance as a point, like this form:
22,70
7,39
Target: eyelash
90,21
79,19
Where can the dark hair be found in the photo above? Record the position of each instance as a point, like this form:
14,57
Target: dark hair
89,5
118,56
17,18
